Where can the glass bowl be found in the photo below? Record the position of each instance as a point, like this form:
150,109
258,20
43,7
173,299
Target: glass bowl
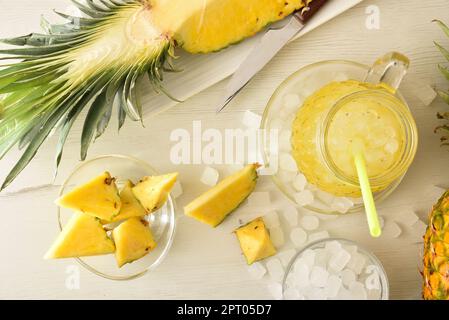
371,260
162,222
276,116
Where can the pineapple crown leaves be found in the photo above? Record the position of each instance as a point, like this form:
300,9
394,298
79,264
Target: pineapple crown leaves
40,94
443,94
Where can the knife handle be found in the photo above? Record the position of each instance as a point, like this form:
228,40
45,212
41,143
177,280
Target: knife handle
309,11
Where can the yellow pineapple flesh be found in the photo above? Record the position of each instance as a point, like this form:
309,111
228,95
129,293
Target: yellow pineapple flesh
213,206
133,240
99,198
152,192
436,252
202,26
82,236
130,207
255,241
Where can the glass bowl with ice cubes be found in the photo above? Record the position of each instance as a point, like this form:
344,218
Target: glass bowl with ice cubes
335,269
278,118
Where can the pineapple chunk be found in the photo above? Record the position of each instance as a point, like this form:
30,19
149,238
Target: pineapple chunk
131,207
99,198
255,241
133,239
213,206
82,236
152,192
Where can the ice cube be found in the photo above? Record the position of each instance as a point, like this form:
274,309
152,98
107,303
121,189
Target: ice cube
259,199
301,273
357,263
316,236
292,101
291,215
339,260
277,237
291,294
343,294
341,204
298,236
347,277
177,191
299,182
358,291
374,294
210,176
251,120
286,256
275,269
391,146
310,223
325,197
426,94
257,270
321,258
408,218
276,124
332,247
317,294
285,176
304,198
271,220
309,257
275,290
287,163
333,286
318,277
372,282
284,140
393,229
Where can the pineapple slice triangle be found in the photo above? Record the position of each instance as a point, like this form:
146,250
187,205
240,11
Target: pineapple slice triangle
213,206
130,207
99,198
82,236
255,241
152,192
133,239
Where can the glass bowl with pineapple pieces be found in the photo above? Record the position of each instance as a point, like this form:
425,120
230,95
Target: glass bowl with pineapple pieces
161,222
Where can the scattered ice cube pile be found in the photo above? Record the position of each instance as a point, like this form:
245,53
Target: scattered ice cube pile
335,270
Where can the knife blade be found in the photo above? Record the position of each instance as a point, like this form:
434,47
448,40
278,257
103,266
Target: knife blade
270,44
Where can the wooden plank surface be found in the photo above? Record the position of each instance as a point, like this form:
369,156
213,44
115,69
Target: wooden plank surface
203,263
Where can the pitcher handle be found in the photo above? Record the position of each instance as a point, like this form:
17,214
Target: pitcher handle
389,69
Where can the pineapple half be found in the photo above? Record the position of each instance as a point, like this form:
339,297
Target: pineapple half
255,241
82,236
87,62
213,206
133,240
99,198
436,251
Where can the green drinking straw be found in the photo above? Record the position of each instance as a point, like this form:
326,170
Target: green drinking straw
367,194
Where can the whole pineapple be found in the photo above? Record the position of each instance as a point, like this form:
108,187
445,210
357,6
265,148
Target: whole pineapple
436,252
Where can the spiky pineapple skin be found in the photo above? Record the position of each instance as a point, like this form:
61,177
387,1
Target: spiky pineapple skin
436,252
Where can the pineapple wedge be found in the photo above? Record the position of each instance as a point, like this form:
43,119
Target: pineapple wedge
213,206
99,198
133,239
152,192
255,241
82,236
130,207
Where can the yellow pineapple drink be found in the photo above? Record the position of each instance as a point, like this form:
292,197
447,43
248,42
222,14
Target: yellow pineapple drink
346,117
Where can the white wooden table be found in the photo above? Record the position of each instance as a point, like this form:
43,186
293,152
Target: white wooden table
203,263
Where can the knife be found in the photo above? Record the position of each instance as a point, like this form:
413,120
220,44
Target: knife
270,44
